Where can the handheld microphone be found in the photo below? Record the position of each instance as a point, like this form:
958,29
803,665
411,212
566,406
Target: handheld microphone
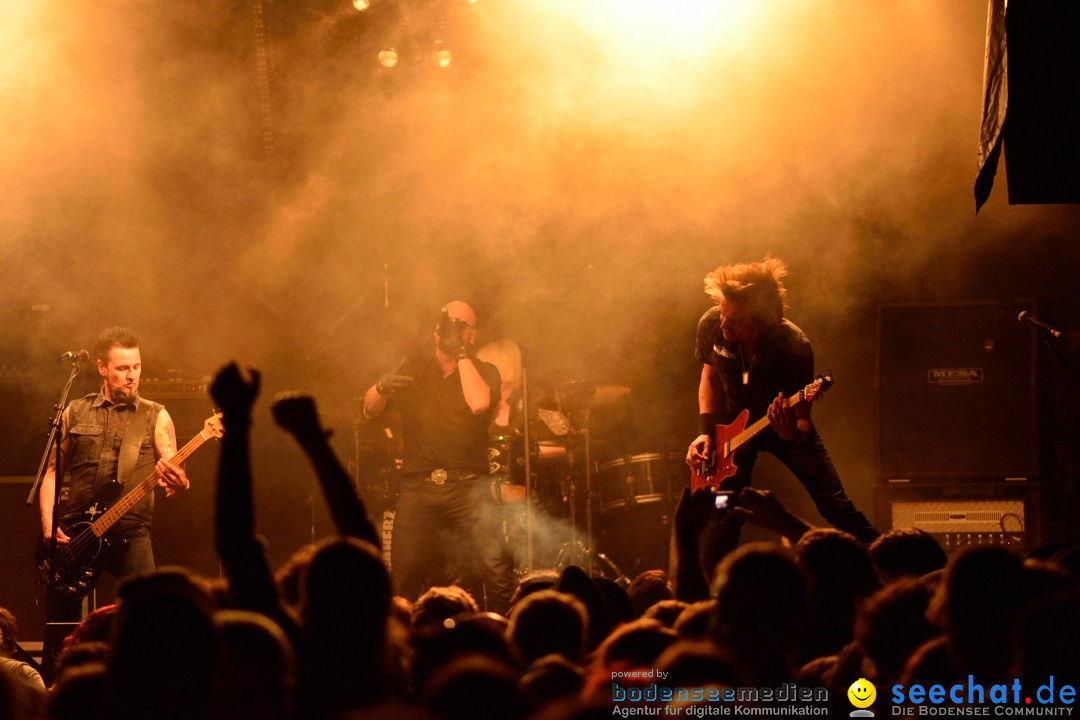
1026,317
76,355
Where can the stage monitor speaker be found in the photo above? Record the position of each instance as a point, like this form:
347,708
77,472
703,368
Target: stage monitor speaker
963,514
955,391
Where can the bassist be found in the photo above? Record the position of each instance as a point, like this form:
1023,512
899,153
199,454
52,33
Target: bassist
110,438
752,357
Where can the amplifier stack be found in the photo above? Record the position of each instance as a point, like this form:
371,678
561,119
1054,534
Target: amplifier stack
956,422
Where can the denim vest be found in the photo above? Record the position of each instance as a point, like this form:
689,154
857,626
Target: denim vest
95,427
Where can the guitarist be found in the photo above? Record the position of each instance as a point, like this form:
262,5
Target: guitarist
109,438
752,357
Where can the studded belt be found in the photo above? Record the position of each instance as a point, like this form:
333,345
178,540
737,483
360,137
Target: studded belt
441,476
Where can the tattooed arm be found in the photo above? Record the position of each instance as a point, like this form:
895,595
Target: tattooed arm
173,477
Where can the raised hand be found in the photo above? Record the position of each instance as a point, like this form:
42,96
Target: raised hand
693,511
297,414
234,393
393,380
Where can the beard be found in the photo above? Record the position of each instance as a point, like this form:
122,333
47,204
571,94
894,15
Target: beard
124,393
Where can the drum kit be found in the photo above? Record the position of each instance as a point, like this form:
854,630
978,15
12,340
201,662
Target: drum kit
568,499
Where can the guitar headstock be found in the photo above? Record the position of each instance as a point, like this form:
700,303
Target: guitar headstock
213,427
816,389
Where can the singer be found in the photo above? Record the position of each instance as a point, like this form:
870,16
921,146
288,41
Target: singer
752,356
446,401
112,436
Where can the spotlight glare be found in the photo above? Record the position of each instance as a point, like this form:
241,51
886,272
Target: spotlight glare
388,58
361,5
441,56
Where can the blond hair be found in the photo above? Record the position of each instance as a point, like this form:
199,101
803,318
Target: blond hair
505,355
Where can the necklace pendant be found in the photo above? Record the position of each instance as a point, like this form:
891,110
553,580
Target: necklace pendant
746,377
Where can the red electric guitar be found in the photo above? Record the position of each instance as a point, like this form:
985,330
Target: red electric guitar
729,438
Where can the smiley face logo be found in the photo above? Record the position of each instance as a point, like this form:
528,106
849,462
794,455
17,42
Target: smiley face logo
862,693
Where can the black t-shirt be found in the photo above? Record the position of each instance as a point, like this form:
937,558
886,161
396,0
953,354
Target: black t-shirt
783,362
439,428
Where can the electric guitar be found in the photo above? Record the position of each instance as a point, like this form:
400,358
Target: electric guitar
74,568
720,463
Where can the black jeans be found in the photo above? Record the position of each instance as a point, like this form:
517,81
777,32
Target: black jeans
809,462
465,510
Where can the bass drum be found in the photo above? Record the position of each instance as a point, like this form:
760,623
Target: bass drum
637,501
641,480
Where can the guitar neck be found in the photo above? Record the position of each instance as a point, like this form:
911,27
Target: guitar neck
109,518
752,430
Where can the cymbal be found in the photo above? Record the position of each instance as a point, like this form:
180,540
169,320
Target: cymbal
581,394
608,395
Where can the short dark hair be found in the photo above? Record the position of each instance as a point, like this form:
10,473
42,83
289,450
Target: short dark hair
548,621
906,552
114,337
441,603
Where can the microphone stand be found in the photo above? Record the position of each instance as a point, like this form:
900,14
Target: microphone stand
1064,353
54,430
53,443
526,407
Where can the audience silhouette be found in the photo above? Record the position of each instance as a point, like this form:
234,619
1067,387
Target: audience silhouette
323,637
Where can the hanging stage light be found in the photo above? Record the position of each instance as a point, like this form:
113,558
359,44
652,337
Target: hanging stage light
388,58
441,55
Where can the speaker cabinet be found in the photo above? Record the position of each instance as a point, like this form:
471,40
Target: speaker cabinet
964,514
20,592
955,391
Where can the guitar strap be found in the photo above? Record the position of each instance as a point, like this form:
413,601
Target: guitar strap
132,442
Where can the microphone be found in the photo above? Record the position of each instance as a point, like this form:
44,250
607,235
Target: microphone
75,355
1026,317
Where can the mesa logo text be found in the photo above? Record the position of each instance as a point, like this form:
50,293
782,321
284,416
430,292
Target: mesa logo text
954,376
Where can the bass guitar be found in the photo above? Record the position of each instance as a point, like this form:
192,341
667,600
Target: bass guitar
74,566
720,463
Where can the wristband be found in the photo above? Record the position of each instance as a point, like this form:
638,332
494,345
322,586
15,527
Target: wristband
707,424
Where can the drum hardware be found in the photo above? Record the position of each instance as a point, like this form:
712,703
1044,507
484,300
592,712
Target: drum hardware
577,399
640,479
581,394
601,565
376,464
637,499
528,472
558,465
